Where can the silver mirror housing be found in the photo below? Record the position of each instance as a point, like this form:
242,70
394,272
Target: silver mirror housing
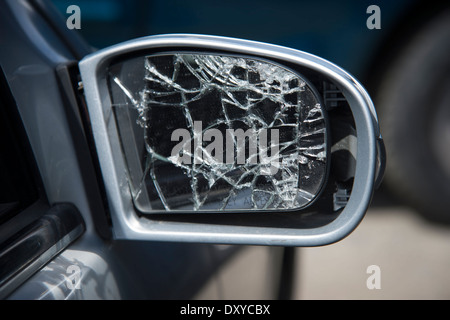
220,140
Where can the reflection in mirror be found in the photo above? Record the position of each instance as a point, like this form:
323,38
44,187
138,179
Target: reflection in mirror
207,132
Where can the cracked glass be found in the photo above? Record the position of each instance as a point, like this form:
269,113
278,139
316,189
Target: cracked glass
209,132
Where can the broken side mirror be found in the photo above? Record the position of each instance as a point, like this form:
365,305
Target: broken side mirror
221,140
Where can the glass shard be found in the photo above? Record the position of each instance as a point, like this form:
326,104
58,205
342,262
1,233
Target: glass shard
204,132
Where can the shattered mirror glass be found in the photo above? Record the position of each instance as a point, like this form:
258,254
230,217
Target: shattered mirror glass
209,132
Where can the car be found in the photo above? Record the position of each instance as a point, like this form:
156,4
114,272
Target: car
114,188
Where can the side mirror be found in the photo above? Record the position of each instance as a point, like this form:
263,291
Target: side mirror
221,140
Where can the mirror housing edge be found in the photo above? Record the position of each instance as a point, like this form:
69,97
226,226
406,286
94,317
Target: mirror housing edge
127,224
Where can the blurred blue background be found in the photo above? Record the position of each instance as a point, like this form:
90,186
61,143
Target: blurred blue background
334,30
